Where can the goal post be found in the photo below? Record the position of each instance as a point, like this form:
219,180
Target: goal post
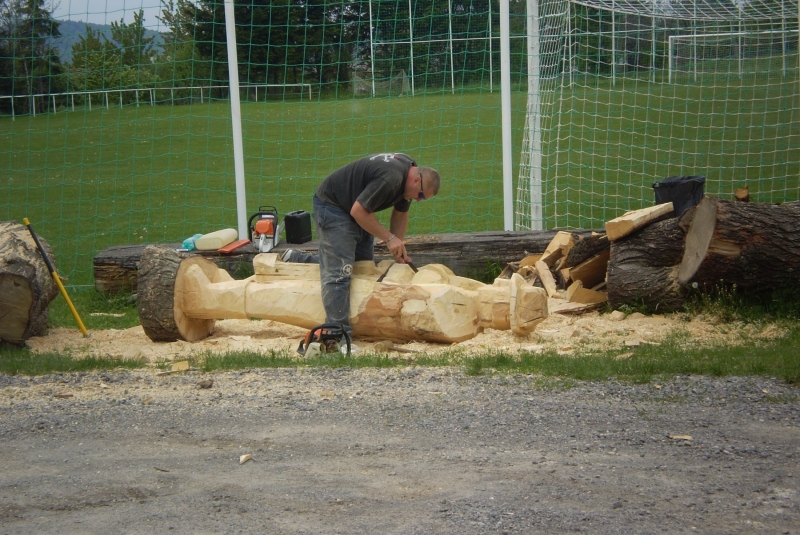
694,55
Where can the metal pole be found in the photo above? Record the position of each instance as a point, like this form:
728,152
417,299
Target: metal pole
669,56
505,92
570,47
371,49
411,45
491,68
653,46
694,43
613,44
534,115
236,119
450,38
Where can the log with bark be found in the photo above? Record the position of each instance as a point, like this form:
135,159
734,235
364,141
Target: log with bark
26,286
180,297
643,267
752,246
585,249
466,254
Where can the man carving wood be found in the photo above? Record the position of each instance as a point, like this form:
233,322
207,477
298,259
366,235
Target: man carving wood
345,204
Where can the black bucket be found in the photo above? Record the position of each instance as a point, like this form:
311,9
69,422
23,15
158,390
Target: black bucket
682,191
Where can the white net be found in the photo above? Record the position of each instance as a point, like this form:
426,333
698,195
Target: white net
647,91
364,85
695,56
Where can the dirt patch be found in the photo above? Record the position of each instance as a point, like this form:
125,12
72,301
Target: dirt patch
567,334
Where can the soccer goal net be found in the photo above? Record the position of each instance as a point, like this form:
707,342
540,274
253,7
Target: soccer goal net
694,56
643,91
367,85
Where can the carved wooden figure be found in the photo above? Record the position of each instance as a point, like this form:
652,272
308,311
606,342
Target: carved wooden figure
180,296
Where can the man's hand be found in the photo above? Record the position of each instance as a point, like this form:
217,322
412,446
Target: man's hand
398,250
370,223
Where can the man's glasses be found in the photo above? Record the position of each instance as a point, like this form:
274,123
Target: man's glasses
421,195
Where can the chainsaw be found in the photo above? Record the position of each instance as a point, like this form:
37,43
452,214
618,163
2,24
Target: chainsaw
266,233
325,338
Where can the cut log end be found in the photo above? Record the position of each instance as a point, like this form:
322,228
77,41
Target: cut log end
26,286
742,194
698,239
159,313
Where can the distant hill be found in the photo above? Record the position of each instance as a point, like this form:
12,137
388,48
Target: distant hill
71,31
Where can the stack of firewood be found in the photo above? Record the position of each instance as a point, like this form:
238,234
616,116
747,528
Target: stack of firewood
571,268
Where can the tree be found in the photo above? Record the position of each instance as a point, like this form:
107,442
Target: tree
30,64
180,63
95,62
134,47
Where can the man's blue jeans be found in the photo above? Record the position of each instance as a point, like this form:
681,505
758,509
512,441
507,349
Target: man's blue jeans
341,243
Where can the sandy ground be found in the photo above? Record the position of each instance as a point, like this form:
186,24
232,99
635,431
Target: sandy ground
568,334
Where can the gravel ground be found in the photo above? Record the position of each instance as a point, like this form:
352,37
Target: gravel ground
405,451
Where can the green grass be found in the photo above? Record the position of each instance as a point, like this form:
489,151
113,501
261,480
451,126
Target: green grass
21,361
780,359
284,359
95,309
88,180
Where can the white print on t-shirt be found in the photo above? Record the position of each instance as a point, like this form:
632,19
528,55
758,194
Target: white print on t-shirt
387,156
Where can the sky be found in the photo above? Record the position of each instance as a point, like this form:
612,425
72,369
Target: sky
106,11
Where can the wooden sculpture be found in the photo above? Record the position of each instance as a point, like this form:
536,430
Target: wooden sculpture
180,297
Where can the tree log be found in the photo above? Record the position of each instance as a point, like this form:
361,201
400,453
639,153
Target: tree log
161,320
643,266
26,285
585,249
466,254
755,246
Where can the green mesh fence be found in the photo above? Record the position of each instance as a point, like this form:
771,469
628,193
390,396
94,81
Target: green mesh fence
119,132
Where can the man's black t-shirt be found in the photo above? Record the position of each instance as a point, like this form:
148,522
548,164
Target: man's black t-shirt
376,181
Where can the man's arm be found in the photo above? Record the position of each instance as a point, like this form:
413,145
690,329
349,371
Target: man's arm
393,239
398,223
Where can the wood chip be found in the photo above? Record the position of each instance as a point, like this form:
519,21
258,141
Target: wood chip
244,458
161,469
180,366
576,293
679,437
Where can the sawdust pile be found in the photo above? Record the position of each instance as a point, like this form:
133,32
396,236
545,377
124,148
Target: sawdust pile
567,334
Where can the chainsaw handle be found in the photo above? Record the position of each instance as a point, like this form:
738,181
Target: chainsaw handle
312,336
261,211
